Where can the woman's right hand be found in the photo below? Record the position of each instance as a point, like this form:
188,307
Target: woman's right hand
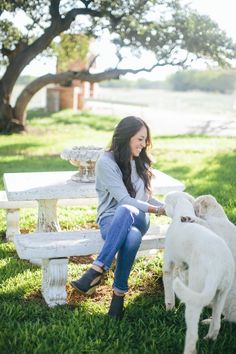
160,211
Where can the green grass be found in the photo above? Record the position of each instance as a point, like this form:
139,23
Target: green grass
27,325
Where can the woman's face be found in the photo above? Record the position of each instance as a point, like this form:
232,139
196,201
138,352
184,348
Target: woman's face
138,142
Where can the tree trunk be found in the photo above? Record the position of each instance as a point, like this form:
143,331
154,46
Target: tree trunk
8,123
24,54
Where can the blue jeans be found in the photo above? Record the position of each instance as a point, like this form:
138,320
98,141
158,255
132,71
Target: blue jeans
122,233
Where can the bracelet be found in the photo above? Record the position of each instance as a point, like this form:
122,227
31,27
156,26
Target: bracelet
159,211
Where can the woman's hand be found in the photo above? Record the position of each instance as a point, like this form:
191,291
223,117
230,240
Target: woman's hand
160,211
157,210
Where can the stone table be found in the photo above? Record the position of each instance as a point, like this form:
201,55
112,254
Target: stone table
47,187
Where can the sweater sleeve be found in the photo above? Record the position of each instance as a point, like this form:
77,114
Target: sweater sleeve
110,178
156,202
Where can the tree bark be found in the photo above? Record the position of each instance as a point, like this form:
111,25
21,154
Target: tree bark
8,123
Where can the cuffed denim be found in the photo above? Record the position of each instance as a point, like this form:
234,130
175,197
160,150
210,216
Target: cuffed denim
122,233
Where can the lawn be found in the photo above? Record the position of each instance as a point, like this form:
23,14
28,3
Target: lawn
27,326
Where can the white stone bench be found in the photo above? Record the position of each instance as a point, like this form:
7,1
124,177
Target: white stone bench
13,207
54,248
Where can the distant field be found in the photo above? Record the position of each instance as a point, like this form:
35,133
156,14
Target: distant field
192,101
167,112
173,113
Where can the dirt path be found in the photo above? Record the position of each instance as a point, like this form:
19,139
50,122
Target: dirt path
164,122
173,113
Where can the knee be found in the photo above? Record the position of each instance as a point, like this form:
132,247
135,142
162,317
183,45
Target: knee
127,210
133,239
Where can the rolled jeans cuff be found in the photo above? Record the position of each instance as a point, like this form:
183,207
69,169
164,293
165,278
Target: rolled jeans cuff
119,290
100,264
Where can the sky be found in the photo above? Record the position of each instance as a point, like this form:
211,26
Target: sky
223,12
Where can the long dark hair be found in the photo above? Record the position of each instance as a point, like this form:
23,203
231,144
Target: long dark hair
123,132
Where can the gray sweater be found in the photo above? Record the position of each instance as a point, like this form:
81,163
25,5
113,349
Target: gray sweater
112,191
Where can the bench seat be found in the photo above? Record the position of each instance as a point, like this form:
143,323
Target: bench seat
54,248
72,243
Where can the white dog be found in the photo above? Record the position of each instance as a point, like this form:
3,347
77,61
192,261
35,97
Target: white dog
212,215
210,268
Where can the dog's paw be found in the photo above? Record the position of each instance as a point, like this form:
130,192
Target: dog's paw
170,306
186,219
212,336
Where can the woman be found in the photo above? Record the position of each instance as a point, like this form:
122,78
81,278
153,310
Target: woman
123,177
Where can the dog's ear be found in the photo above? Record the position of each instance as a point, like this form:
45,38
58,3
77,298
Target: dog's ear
208,200
202,204
172,197
208,205
200,207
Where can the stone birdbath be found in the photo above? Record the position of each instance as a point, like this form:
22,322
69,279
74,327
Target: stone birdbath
83,157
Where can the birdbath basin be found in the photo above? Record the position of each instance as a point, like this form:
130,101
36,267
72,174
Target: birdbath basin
83,157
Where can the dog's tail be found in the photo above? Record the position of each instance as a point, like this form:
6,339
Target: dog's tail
188,295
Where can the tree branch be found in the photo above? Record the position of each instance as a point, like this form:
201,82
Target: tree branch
54,9
94,58
21,45
86,2
62,78
71,15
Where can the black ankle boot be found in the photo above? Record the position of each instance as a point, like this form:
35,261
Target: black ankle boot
116,309
83,284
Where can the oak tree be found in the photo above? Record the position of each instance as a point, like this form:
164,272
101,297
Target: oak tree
174,32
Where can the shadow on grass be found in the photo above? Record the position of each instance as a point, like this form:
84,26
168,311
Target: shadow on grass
38,113
167,329
218,179
219,176
156,137
34,164
83,119
179,172
57,330
215,175
85,327
146,328
11,268
17,149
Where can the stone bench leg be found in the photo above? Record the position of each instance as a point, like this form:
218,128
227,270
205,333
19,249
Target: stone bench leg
54,279
47,220
47,216
12,220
